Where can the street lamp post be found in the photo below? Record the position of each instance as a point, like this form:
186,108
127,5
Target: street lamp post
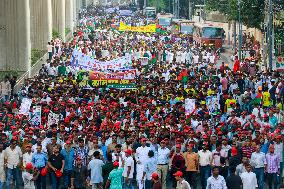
240,31
270,37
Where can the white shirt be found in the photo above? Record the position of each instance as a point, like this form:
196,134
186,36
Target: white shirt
95,166
120,159
258,160
163,155
35,146
216,183
142,154
129,162
28,180
204,157
13,156
27,158
279,150
249,180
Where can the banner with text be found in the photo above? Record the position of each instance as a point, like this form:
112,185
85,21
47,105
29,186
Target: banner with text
142,29
84,61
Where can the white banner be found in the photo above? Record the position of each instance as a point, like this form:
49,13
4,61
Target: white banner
189,105
35,116
212,104
53,118
25,106
86,62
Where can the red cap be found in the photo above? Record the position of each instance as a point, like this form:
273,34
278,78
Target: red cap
128,151
116,164
58,173
178,174
68,142
155,176
234,151
29,166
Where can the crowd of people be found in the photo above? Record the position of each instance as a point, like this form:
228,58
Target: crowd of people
144,137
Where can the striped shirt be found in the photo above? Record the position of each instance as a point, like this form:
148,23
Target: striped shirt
273,162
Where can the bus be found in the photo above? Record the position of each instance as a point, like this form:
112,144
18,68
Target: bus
150,12
208,35
183,26
165,19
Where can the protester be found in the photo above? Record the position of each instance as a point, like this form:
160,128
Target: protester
216,181
115,177
79,175
56,163
234,181
29,176
128,171
13,158
249,178
181,182
141,91
39,160
95,165
156,182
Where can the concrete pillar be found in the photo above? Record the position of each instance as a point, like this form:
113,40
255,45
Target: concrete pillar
41,23
58,17
15,44
69,14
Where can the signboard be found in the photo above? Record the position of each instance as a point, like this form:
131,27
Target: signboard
53,118
84,61
189,105
143,29
25,106
35,116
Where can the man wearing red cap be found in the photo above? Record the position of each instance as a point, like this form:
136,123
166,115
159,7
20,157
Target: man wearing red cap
128,169
181,183
29,176
115,177
156,181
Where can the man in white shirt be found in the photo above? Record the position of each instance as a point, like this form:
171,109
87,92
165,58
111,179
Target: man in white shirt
28,155
2,170
141,157
128,169
205,158
249,178
258,161
216,181
118,155
13,162
163,162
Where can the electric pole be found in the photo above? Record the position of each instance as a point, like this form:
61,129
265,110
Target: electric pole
240,31
270,37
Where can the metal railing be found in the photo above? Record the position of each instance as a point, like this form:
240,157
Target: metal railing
34,69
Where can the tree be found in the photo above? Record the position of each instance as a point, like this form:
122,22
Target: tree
252,11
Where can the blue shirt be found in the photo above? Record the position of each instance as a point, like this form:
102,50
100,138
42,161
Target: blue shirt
104,150
69,157
39,160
